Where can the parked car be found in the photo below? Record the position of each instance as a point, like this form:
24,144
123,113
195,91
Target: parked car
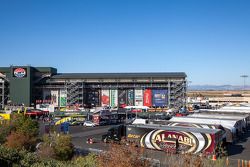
88,124
75,122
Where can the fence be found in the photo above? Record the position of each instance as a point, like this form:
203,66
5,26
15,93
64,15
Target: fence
237,162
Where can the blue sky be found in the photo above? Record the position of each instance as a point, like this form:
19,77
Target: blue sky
207,39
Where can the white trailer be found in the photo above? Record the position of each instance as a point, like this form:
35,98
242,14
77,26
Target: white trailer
222,110
232,125
244,120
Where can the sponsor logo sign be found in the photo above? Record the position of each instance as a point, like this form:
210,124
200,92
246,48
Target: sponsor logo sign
105,97
19,72
185,142
113,98
159,98
122,99
147,98
138,97
130,97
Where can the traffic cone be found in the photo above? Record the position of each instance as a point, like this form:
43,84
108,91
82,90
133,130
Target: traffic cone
90,141
214,157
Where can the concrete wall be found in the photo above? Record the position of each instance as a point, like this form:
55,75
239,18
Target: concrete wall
21,87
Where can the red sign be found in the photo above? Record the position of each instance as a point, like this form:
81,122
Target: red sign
147,98
105,100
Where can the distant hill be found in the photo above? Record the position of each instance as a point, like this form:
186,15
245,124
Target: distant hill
218,87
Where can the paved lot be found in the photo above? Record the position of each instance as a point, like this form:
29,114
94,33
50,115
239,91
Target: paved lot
239,150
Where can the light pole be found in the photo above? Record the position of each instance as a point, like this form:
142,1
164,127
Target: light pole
187,89
244,81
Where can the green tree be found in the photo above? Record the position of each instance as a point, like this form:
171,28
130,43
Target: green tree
63,147
25,125
21,132
86,161
5,130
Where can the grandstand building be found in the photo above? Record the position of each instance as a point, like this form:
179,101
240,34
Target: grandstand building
33,85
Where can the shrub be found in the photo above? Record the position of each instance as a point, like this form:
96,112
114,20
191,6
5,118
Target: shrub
49,163
17,140
86,161
27,158
17,158
45,151
25,125
123,156
9,154
63,147
5,130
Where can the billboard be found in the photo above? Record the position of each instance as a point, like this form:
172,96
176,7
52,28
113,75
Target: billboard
46,94
138,97
63,98
93,97
122,97
105,97
54,97
159,98
147,98
113,98
19,72
172,140
130,95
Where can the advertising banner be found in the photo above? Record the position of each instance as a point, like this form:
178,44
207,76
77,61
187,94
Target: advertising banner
138,97
131,99
113,98
147,98
122,97
105,97
63,98
54,97
93,97
159,98
172,141
46,94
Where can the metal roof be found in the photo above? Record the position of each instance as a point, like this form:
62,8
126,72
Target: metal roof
177,128
119,75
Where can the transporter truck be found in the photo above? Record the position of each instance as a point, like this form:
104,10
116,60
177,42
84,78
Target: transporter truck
168,138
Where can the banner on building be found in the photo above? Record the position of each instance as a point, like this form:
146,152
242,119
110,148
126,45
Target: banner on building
138,97
131,98
93,97
147,98
113,98
159,98
54,97
105,97
122,98
63,98
46,94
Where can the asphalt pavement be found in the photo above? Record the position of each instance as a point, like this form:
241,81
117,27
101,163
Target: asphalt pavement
237,151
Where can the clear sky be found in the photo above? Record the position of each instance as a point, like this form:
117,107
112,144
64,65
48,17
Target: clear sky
207,39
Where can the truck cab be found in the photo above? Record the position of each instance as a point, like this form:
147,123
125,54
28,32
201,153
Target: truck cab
115,134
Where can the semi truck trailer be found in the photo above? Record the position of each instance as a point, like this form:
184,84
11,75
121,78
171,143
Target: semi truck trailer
169,138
